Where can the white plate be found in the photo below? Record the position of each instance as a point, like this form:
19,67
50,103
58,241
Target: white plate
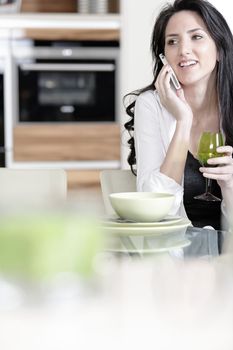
169,220
180,244
148,230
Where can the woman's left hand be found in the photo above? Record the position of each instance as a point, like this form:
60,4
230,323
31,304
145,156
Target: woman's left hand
221,168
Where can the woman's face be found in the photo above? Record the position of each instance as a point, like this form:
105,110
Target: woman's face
189,48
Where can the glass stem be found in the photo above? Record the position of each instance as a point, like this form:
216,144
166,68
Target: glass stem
208,185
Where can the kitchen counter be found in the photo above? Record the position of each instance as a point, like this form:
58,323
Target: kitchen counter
55,26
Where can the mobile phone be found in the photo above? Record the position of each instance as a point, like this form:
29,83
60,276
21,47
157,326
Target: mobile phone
174,79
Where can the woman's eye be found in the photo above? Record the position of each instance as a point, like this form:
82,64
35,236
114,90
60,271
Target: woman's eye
172,42
197,37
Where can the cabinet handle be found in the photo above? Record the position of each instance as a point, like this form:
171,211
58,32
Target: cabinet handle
84,67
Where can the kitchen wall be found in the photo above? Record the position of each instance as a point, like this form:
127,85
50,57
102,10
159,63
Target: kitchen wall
225,8
136,66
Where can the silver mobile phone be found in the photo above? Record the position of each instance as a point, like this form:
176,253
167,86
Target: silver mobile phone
174,79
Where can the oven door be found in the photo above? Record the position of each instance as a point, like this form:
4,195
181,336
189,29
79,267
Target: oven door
67,92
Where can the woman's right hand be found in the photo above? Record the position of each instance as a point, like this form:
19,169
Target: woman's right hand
173,100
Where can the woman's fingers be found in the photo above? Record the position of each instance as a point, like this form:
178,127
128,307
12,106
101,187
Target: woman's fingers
225,160
220,173
180,94
228,150
222,167
227,169
218,177
225,156
170,99
163,78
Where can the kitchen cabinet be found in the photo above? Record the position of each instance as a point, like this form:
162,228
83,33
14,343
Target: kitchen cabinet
80,149
60,6
66,142
49,6
72,34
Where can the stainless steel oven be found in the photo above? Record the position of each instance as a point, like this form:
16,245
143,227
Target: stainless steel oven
66,82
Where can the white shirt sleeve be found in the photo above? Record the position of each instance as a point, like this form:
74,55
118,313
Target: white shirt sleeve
153,130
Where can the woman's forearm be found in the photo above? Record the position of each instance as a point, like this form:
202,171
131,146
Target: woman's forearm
227,194
174,162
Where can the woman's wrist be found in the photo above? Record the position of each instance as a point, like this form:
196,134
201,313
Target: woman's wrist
183,127
227,185
185,123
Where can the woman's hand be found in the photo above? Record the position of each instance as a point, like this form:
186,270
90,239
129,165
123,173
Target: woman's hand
223,170
173,100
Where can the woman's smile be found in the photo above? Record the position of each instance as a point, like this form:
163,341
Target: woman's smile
187,63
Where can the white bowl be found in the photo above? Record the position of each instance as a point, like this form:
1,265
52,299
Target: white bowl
142,206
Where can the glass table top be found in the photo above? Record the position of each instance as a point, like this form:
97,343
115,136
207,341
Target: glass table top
190,241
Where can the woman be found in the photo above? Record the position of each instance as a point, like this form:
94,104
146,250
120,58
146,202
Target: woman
167,123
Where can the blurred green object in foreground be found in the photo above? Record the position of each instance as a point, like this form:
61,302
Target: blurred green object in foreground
40,246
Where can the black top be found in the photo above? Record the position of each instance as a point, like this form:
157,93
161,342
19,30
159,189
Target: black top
201,213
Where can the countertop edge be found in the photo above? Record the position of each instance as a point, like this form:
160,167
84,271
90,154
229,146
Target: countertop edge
56,20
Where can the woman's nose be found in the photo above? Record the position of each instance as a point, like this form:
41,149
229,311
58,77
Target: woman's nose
185,48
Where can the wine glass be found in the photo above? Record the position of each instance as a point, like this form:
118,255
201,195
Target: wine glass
207,148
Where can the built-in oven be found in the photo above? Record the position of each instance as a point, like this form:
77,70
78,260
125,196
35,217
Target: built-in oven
66,81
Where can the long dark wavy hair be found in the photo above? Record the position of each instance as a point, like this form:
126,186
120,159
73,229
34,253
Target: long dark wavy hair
222,36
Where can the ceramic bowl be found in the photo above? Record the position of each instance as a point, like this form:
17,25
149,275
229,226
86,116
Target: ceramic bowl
142,206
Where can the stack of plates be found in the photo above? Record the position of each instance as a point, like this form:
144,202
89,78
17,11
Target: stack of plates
166,234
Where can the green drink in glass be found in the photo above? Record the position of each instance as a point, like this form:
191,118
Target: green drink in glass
207,148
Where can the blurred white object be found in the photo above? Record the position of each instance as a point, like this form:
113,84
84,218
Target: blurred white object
113,181
172,306
36,187
10,6
11,296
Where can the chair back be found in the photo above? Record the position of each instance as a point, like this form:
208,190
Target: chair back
35,186
113,181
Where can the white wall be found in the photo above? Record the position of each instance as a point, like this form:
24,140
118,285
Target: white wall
137,22
138,18
225,7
